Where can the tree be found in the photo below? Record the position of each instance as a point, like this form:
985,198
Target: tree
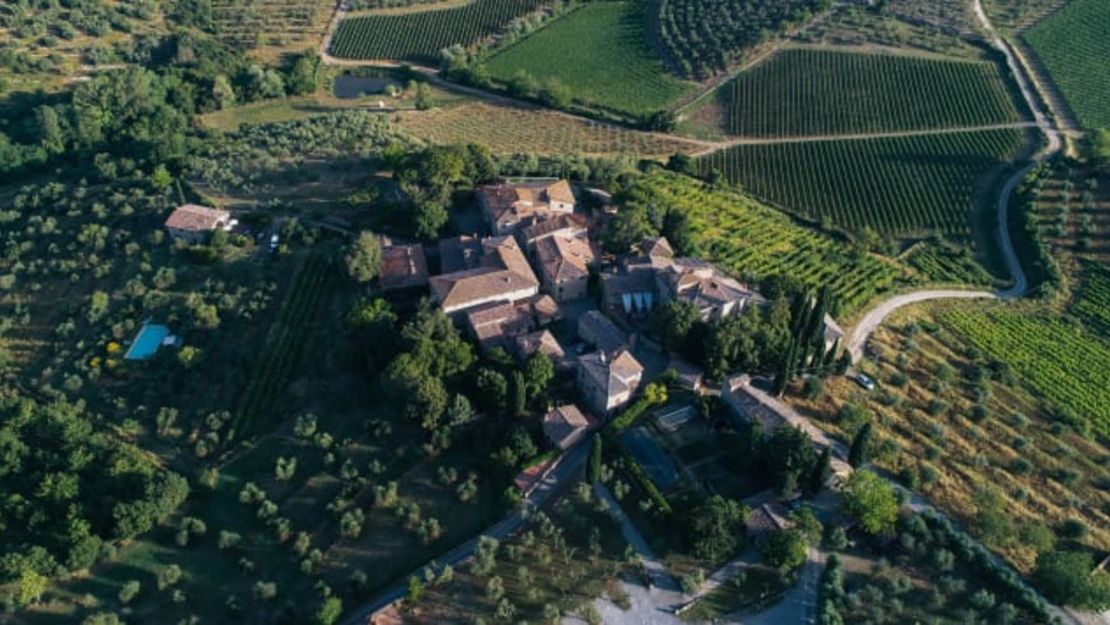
715,528
673,322
423,99
493,390
302,78
1098,148
785,550
555,94
329,611
428,218
363,257
859,452
871,500
595,459
1069,577
222,92
129,591
820,473
520,394
788,455
31,586
538,373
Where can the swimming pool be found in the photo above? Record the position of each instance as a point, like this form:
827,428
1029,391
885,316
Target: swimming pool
146,342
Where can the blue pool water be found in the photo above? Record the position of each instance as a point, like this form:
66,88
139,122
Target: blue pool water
147,342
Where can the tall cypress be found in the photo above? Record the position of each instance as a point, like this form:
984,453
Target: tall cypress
858,453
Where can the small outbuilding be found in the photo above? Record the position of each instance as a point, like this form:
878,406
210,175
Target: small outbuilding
193,223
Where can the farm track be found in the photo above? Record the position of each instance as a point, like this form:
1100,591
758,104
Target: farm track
1053,145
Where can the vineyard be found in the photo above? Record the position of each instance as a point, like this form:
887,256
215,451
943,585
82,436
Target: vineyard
253,23
898,185
1020,14
1092,305
510,130
949,264
810,92
1074,45
284,345
1061,362
754,241
600,52
704,37
419,36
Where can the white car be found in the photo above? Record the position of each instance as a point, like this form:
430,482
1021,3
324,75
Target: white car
864,381
275,240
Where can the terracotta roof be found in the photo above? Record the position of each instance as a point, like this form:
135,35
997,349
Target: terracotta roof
766,519
544,308
615,375
562,259
565,425
194,218
503,272
492,324
402,266
566,225
658,247
459,253
704,285
543,342
517,202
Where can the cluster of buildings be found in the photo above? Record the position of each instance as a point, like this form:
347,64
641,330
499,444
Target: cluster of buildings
539,259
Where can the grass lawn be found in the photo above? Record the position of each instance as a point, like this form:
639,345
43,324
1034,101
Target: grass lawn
601,52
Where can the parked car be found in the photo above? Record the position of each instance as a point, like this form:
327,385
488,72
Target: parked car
864,381
275,241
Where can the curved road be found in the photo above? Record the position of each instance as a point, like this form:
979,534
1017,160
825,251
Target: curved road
1053,144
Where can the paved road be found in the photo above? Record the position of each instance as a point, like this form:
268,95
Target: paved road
1020,283
568,468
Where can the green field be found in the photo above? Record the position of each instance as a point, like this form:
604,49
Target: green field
1062,363
419,36
1092,305
754,241
1074,45
809,92
901,186
601,53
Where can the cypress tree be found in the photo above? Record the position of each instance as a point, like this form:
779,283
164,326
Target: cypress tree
595,459
820,473
520,393
858,453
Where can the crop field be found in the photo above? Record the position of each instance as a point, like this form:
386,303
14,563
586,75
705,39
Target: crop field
1064,364
751,240
600,52
803,92
1074,45
900,186
704,37
1092,305
285,344
508,130
419,36
1020,14
1073,211
857,25
950,423
270,22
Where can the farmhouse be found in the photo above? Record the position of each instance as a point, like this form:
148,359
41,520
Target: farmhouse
607,383
499,272
402,267
507,207
192,223
565,426
641,282
564,266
